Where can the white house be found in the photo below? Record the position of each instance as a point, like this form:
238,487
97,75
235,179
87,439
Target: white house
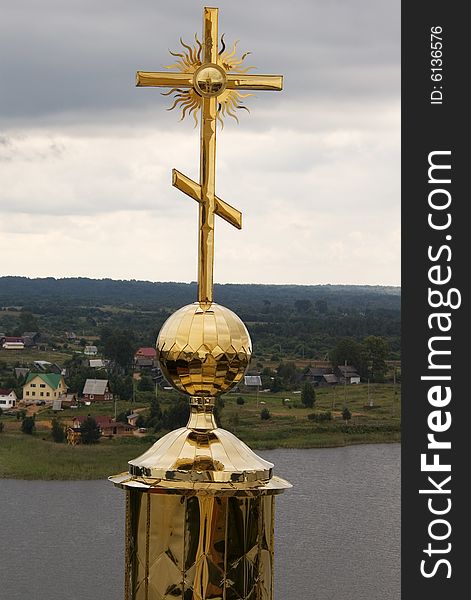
7,398
90,351
13,343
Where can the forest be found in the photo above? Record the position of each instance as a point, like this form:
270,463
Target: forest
284,321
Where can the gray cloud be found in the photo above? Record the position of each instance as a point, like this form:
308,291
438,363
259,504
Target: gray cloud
85,157
81,56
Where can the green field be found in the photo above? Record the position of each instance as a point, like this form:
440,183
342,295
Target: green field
27,356
38,457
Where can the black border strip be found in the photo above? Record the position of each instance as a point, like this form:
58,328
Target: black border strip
427,128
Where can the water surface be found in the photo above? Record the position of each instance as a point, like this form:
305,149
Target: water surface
337,531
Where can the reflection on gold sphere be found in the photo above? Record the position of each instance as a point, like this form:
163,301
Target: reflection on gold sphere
203,350
210,80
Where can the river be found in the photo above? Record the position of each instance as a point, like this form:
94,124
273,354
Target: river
337,531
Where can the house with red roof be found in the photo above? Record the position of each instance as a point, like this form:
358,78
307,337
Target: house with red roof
145,358
146,353
107,425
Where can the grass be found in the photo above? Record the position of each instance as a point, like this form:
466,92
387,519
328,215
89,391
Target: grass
37,457
290,427
32,457
27,356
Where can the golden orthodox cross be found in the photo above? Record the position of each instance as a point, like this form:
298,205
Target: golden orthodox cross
209,78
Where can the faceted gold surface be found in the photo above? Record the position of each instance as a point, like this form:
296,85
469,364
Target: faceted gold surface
203,350
199,548
209,80
207,456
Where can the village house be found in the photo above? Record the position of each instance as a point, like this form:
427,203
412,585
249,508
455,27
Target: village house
47,367
347,374
97,390
97,363
13,343
107,425
31,338
21,372
330,379
7,398
146,352
44,386
145,358
90,351
321,376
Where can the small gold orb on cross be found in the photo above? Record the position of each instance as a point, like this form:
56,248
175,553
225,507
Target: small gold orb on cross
210,80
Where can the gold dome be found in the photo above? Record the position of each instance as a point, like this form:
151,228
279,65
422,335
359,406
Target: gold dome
203,350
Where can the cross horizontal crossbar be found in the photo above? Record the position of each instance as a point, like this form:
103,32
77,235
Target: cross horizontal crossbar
235,81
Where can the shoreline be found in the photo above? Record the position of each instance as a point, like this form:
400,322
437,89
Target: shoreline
95,463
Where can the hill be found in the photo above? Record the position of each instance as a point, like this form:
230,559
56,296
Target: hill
289,320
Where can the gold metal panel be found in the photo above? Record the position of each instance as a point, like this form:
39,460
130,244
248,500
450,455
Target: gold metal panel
254,82
199,547
210,455
165,79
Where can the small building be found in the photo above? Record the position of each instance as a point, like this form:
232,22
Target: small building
47,367
132,418
21,372
44,386
107,425
252,381
70,335
97,363
146,352
330,379
315,375
97,390
31,338
347,374
13,343
144,364
90,351
8,398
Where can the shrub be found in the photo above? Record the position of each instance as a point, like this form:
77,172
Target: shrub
141,421
265,414
90,431
177,414
240,400
57,432
28,425
2,425
321,416
346,414
308,395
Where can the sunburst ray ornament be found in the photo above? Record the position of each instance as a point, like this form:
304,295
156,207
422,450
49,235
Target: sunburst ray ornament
190,100
210,81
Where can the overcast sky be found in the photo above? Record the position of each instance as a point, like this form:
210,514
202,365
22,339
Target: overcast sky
86,158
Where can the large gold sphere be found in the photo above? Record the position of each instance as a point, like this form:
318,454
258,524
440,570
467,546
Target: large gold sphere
203,350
